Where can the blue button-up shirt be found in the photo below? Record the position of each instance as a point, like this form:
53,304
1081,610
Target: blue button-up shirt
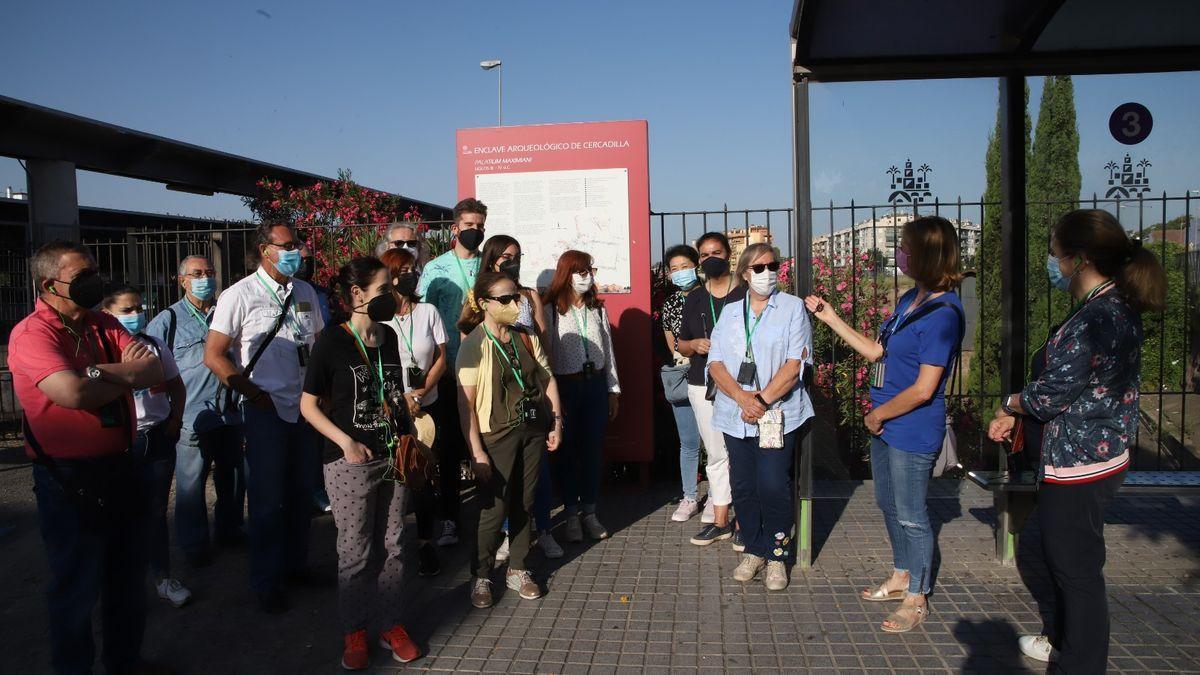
783,333
200,414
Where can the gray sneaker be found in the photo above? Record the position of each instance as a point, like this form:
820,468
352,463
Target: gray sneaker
775,578
574,530
749,567
591,525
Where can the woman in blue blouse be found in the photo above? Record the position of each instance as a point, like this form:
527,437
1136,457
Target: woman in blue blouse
759,348
910,361
1087,397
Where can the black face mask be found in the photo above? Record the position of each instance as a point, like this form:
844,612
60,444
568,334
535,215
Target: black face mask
470,239
406,284
382,308
714,267
511,269
307,269
85,290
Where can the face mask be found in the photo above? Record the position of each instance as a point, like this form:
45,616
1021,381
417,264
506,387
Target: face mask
470,239
134,323
307,268
764,282
406,284
714,267
511,269
203,288
684,278
85,290
382,308
1054,272
581,282
902,261
288,263
505,315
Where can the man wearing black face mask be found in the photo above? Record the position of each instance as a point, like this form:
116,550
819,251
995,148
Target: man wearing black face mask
444,284
74,371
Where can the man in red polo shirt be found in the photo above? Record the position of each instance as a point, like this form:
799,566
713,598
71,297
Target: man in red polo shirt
74,371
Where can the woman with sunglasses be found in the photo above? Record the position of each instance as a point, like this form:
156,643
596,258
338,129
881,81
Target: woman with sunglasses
910,362
422,341
759,350
580,340
352,397
508,402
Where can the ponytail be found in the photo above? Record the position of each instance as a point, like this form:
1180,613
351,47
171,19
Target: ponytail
1098,235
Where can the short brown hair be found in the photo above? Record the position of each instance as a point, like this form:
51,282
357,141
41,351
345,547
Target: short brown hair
469,205
932,246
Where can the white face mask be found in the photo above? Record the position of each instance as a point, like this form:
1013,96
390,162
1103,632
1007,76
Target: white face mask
581,282
764,282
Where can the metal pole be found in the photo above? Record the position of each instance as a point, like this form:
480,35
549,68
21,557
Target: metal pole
500,95
801,245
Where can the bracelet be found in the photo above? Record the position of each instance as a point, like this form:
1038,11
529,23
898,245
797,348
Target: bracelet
762,400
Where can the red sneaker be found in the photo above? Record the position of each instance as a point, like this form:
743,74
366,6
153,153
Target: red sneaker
355,655
402,647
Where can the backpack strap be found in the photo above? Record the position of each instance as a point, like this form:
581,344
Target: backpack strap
172,324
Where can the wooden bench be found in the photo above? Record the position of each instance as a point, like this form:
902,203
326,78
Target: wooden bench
1014,496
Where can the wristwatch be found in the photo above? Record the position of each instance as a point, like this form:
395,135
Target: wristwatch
92,372
1007,408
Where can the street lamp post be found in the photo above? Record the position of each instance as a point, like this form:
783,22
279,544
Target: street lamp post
488,65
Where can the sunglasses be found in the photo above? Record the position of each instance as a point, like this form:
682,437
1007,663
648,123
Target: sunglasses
404,243
505,299
760,267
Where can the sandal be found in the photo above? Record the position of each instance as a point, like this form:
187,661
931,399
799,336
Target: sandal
881,594
905,619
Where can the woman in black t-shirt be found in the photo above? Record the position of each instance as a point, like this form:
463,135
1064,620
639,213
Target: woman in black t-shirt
354,396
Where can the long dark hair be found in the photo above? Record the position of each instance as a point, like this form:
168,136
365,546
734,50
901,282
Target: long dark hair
472,314
357,272
493,248
1098,235
559,293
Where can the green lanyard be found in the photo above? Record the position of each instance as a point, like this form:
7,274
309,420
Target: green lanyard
724,299
582,332
408,341
516,370
291,315
462,272
196,314
389,438
746,323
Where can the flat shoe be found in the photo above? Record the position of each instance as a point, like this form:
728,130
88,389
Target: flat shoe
881,595
905,619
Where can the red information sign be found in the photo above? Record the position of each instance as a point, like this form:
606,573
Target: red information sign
581,186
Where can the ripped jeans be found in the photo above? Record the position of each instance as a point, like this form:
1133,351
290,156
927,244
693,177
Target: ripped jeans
901,484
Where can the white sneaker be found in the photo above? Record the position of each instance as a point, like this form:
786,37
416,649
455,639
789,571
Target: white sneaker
775,578
593,527
1038,648
574,530
449,536
709,516
502,552
686,509
549,545
173,592
749,567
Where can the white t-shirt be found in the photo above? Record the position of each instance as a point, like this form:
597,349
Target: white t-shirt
247,311
153,405
427,331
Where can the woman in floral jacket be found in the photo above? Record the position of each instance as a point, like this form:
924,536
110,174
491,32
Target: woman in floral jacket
1087,397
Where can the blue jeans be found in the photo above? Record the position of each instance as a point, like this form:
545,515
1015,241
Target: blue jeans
280,475
689,447
219,450
156,465
585,415
762,494
104,560
901,485
543,499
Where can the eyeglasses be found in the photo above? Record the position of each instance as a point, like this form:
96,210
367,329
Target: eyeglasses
290,246
505,299
200,274
760,267
590,270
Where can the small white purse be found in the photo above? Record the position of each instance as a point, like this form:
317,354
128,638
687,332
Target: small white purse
770,429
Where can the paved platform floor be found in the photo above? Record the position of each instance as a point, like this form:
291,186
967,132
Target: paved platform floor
648,601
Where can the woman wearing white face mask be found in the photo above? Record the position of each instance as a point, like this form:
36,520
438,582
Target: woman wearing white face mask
911,360
580,340
759,350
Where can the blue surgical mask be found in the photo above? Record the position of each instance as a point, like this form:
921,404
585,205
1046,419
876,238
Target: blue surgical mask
684,278
203,288
289,262
134,323
1055,274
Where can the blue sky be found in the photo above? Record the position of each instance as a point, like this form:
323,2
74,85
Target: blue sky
380,87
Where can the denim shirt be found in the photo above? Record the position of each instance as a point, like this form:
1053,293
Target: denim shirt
1088,393
783,333
200,412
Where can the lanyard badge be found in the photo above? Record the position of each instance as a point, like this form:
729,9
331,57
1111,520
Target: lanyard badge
748,371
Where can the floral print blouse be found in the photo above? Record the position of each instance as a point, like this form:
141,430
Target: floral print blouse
1088,393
